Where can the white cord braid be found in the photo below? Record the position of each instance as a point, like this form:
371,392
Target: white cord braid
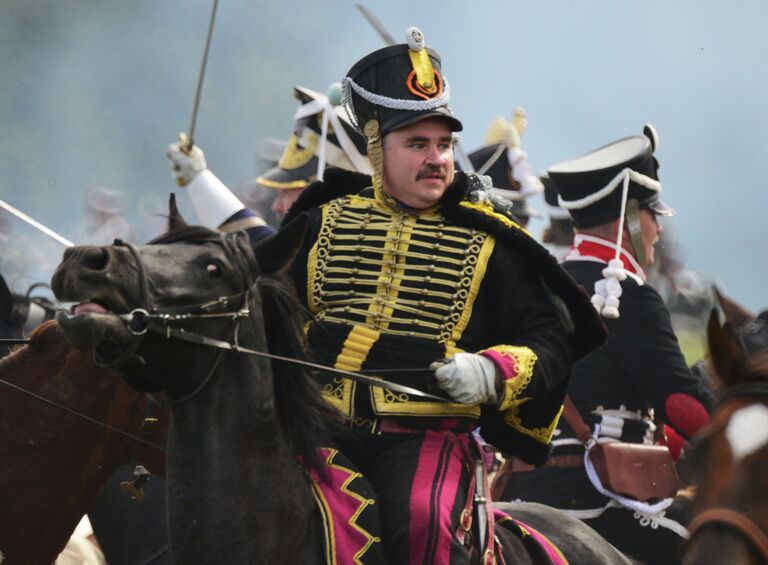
348,85
324,106
490,162
608,290
521,172
638,178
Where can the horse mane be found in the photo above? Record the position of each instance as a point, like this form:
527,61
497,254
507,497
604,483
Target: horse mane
308,420
187,233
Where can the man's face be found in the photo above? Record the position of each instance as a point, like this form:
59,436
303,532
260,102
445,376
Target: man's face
650,230
418,163
285,200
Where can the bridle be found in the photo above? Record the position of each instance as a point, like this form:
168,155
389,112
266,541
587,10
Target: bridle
142,319
149,318
730,517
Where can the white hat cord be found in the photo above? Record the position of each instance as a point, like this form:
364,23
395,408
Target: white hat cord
624,174
395,103
323,105
608,290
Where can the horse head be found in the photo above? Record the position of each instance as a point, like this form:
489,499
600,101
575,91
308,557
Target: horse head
731,501
190,276
189,314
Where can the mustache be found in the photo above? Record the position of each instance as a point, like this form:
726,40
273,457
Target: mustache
429,170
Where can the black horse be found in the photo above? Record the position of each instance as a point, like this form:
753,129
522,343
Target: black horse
239,420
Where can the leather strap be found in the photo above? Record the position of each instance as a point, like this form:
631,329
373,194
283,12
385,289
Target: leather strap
736,520
578,425
517,466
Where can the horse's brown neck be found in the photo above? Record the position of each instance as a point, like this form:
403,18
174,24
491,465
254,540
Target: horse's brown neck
54,463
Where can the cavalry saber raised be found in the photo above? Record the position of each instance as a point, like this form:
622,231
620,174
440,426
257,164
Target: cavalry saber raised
35,224
377,25
189,140
181,334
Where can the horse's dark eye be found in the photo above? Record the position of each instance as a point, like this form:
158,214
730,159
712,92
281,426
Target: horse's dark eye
214,270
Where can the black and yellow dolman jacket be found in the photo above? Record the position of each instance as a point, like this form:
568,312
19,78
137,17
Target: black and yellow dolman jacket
390,288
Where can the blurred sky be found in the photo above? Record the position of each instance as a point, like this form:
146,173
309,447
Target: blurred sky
92,91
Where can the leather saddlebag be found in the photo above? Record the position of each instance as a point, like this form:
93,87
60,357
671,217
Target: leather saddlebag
642,472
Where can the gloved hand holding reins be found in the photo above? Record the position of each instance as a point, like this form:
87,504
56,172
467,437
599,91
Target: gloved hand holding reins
468,378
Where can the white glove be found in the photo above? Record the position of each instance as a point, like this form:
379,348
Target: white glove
467,378
185,167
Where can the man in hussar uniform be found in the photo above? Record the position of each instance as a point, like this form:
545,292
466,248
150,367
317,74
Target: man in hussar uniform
613,196
420,272
503,160
415,268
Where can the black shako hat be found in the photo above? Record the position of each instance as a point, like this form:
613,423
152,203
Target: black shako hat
339,143
554,211
315,122
493,160
591,187
300,176
397,86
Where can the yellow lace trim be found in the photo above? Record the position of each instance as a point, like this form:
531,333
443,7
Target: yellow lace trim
542,435
474,287
487,209
524,359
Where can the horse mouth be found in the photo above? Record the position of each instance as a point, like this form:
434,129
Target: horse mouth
98,304
92,325
90,307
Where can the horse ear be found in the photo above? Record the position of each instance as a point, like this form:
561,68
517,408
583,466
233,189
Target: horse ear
734,312
175,219
277,251
726,352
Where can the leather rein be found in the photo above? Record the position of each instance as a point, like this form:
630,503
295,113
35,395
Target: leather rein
148,318
730,517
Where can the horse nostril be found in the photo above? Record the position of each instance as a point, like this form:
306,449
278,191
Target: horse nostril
95,258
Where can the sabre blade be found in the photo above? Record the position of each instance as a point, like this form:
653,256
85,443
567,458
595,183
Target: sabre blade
180,333
377,25
191,137
35,224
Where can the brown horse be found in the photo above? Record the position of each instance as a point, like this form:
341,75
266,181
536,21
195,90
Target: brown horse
730,515
53,463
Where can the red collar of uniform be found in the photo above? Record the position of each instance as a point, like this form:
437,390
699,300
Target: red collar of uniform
593,248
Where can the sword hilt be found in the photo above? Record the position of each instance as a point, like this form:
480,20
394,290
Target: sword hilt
185,143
